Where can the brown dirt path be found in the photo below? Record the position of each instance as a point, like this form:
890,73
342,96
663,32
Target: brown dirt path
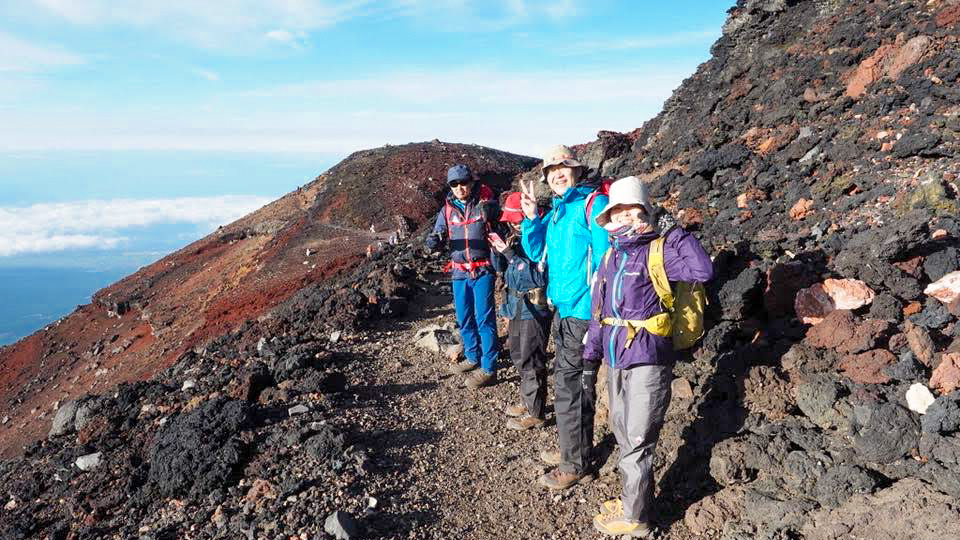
452,469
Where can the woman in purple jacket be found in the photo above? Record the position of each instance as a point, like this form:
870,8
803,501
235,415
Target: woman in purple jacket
640,370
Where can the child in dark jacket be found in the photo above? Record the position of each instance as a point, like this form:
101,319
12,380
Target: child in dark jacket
638,351
526,308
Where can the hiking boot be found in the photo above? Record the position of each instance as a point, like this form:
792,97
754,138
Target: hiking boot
462,366
526,421
479,378
613,506
617,525
551,457
516,411
559,480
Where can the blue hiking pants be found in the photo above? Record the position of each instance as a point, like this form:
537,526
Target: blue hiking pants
476,316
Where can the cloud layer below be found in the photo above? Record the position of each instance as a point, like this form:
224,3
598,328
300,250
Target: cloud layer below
109,224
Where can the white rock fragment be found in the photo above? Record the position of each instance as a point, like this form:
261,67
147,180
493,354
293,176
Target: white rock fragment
89,461
945,289
919,398
188,384
298,409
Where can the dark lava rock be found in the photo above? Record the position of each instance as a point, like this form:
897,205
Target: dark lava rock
706,163
327,445
913,144
199,451
940,263
842,481
943,415
906,369
740,297
821,400
886,307
884,432
934,315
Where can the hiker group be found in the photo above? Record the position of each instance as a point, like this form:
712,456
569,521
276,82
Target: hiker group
612,278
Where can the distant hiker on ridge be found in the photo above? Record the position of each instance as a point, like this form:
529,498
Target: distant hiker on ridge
571,245
526,307
466,218
634,330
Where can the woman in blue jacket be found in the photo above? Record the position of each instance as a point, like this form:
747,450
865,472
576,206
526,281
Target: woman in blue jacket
572,246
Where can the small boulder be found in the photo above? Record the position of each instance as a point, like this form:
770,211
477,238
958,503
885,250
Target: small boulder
918,338
943,415
919,398
63,421
341,525
946,376
848,293
868,367
89,461
945,289
681,389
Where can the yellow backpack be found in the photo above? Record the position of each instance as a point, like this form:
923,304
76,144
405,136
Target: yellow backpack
686,303
683,319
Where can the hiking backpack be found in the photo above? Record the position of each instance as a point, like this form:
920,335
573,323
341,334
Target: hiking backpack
686,302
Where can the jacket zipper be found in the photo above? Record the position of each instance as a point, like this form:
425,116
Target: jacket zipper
616,293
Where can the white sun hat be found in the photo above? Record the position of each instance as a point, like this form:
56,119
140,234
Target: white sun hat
626,190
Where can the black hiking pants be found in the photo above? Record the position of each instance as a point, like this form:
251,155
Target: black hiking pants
576,394
528,351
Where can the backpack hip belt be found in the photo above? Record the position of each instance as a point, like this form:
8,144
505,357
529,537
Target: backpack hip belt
466,267
658,325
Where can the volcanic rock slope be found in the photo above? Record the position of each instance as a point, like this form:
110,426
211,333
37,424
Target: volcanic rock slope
145,322
815,154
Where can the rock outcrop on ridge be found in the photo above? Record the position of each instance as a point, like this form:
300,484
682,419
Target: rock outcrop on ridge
817,156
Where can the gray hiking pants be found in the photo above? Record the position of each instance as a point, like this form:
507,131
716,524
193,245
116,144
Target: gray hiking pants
639,397
576,394
528,350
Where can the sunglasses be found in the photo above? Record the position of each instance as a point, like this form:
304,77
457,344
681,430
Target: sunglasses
458,183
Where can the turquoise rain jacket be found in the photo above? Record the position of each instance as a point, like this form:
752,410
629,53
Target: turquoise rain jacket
574,249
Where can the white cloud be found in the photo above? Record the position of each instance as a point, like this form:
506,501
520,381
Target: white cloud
480,86
510,110
97,223
641,42
238,23
20,56
226,23
283,36
206,74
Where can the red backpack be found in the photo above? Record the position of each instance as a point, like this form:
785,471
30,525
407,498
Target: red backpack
602,189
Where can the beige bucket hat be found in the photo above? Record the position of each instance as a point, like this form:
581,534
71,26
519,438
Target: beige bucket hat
626,190
559,155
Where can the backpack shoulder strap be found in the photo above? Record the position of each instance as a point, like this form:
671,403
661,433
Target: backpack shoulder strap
658,273
599,286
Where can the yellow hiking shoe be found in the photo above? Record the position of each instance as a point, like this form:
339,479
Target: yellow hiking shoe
612,506
617,525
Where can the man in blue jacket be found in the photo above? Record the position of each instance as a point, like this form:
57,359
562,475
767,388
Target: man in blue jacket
572,245
466,218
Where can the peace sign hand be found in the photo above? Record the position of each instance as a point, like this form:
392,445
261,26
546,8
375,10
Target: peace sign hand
528,200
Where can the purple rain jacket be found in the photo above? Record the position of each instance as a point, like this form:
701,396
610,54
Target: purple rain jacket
627,293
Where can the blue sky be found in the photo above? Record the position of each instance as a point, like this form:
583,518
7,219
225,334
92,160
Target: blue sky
194,113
